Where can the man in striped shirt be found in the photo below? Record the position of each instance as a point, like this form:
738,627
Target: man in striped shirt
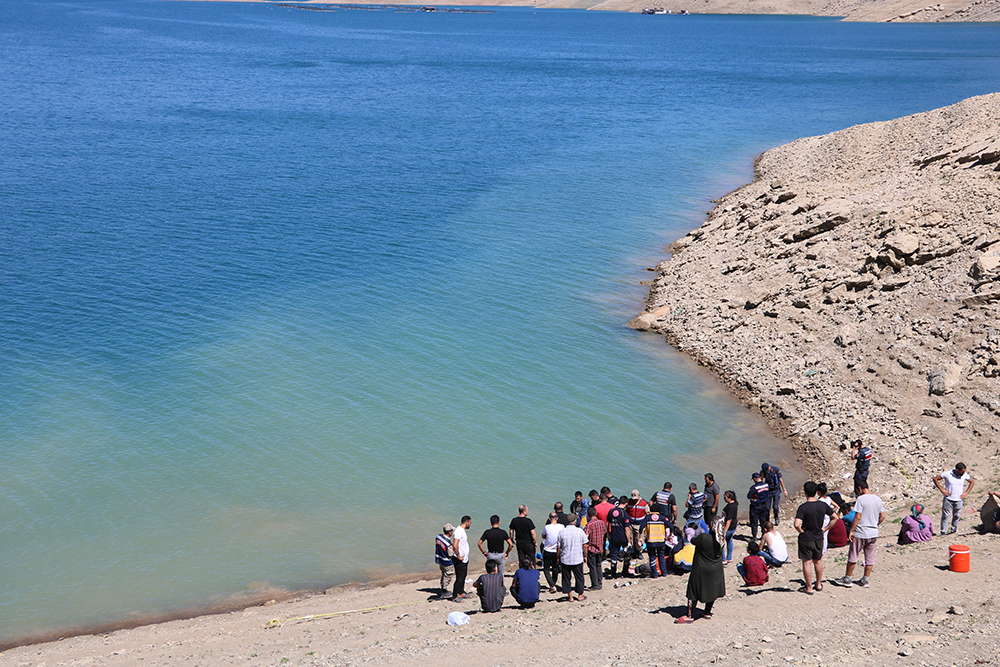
490,588
696,507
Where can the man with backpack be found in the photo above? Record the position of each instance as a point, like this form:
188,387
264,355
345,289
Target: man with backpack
775,487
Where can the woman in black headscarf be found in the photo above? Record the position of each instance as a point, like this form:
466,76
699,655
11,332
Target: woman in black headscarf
708,578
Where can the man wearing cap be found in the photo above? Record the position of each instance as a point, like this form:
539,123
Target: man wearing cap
637,508
775,487
443,551
759,502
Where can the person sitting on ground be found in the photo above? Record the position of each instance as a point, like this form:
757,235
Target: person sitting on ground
917,527
490,588
524,588
773,549
682,554
837,536
753,569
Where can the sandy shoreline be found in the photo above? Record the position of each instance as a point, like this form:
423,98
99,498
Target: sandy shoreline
868,257
876,11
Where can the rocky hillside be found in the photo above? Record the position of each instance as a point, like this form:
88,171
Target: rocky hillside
851,291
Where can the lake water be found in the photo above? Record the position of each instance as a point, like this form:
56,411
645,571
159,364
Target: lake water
284,291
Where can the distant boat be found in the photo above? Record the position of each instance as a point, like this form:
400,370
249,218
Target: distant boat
655,10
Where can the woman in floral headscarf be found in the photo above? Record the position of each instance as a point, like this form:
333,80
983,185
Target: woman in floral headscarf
917,527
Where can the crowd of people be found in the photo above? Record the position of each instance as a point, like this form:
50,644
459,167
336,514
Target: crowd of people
667,535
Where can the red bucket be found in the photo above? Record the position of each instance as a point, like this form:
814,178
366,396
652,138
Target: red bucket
958,558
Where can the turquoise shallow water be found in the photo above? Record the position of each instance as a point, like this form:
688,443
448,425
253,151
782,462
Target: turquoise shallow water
279,286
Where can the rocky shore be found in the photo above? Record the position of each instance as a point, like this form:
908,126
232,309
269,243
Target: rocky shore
875,11
850,291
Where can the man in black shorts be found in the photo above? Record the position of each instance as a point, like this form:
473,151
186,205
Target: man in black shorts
809,525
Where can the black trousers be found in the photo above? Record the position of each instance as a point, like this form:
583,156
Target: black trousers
461,572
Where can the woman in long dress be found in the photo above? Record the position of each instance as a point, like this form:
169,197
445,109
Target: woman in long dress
708,579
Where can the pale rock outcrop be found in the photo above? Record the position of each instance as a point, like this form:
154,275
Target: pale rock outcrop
851,291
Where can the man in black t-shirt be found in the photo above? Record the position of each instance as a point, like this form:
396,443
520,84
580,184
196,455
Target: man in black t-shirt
522,533
809,520
496,538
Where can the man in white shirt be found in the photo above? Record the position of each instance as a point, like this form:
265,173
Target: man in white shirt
951,483
460,542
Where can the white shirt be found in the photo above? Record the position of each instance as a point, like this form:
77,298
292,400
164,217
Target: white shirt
463,544
955,485
778,548
550,536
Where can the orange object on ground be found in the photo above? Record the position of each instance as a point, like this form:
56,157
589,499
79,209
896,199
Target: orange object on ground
958,558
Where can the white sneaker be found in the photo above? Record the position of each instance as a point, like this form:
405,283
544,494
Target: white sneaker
863,582
844,581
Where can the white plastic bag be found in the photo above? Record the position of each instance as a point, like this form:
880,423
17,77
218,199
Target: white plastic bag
457,618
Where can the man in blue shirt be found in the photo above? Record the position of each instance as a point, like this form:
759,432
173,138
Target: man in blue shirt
524,588
759,496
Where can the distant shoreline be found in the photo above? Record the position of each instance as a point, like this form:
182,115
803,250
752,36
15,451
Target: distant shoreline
868,11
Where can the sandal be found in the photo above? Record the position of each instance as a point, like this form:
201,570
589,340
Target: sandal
805,590
707,617
818,587
684,619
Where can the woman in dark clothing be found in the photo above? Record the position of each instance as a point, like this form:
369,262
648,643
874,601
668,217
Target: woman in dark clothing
708,578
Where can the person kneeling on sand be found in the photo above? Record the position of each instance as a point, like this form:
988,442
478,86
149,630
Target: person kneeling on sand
753,569
917,527
490,588
524,588
773,549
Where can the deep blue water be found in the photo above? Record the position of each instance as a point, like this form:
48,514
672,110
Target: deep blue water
279,283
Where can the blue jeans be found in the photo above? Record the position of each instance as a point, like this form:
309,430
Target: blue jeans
773,502
657,556
771,560
729,543
950,512
739,568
